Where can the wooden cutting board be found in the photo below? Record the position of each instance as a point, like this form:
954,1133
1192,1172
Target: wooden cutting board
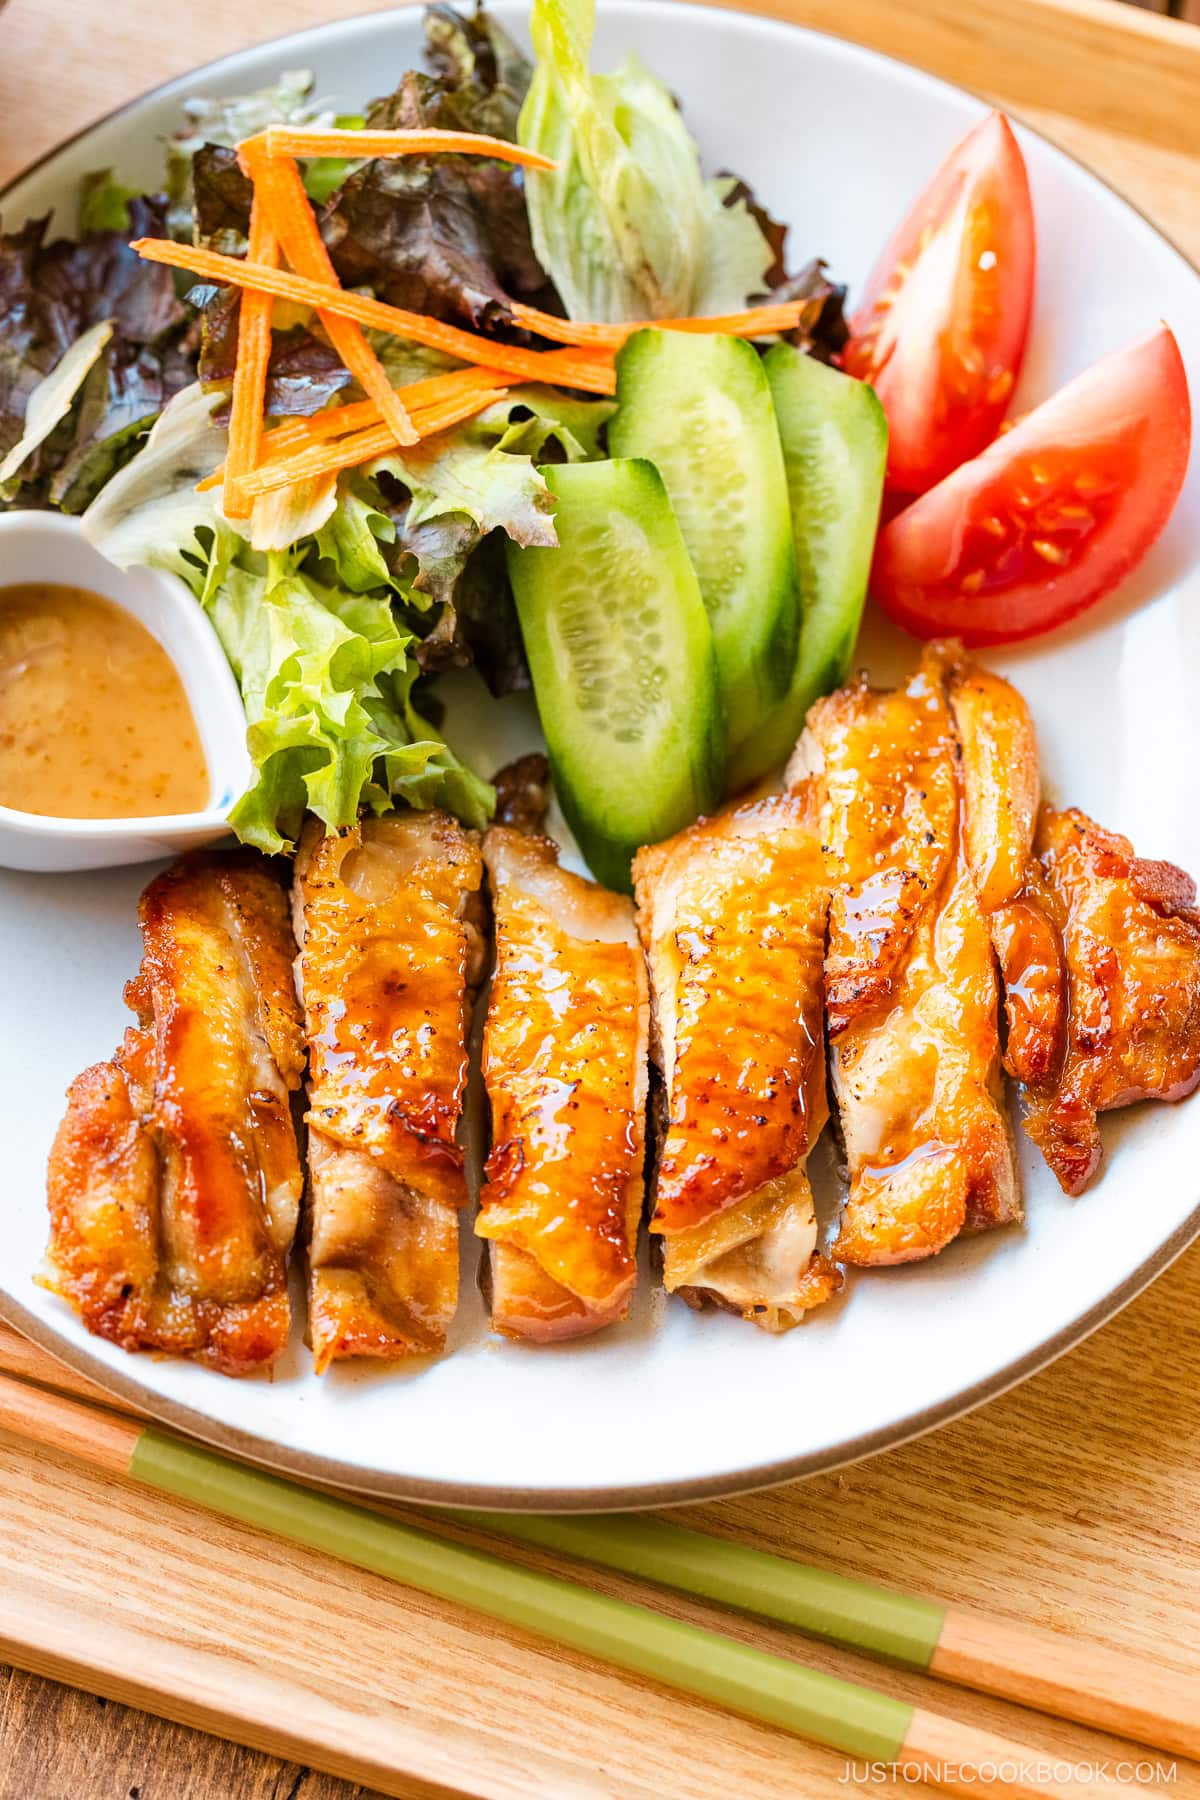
1073,1503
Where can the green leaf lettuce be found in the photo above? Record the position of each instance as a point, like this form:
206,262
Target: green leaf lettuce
625,225
326,674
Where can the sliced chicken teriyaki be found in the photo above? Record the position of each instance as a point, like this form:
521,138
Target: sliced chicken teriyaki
1131,938
732,917
1098,950
565,1065
389,952
1001,789
174,1180
912,996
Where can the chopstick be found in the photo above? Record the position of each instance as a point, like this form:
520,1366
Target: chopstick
857,1720
1049,1672
1060,1675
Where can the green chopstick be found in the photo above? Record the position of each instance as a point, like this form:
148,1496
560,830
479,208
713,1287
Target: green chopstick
1072,1678
840,1714
843,1715
880,1620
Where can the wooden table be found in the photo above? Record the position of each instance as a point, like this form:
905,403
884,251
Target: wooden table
1073,1502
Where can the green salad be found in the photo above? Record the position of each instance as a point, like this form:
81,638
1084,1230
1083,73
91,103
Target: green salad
675,558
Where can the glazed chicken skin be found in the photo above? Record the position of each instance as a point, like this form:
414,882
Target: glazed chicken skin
911,989
174,1180
732,917
1001,790
1097,949
388,955
565,1065
1131,937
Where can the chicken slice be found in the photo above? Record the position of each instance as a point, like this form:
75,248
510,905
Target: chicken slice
912,1010
1131,935
174,1180
388,953
732,917
565,1065
1001,784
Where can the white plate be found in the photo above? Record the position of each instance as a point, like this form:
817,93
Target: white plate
673,1405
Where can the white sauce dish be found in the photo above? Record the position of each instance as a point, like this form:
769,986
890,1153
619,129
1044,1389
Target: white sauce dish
37,547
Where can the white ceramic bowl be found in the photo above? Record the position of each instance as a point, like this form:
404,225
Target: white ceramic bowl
37,546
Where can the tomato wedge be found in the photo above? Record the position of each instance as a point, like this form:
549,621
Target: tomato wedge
942,327
1053,514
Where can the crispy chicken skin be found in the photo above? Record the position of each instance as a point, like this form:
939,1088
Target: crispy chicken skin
1000,783
565,1064
912,1000
174,1180
1097,949
388,952
1131,934
732,917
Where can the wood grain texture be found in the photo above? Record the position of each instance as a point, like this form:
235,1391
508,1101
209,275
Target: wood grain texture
1072,1504
1121,70
98,1437
981,1766
1047,1671
1087,1681
60,1744
278,1708
1113,85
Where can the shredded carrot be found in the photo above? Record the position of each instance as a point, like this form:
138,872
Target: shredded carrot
365,446
310,140
250,371
444,413
339,421
756,321
278,185
589,370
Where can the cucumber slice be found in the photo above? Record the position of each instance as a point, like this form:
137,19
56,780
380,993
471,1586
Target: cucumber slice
621,654
700,408
834,437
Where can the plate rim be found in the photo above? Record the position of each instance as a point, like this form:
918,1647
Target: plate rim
740,14
312,1467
